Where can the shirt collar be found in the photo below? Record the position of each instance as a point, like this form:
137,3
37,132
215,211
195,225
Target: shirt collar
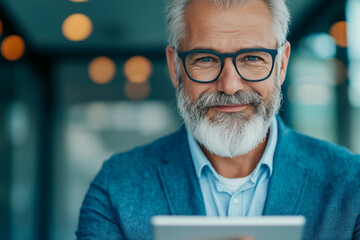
201,161
198,156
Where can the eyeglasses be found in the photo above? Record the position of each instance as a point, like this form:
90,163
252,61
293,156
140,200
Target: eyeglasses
205,66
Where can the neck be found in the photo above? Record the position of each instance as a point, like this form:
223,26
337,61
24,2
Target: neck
239,166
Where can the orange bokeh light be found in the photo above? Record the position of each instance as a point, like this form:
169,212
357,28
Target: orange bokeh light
137,91
13,48
341,72
77,27
79,0
102,70
138,69
339,33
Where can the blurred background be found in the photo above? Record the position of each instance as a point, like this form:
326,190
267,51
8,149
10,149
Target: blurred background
81,80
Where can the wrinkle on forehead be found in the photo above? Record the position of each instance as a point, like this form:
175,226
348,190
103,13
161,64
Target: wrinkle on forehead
222,37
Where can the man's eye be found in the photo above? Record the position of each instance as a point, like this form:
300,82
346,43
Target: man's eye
205,59
252,58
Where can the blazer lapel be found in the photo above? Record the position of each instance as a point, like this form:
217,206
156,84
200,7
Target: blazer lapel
179,181
290,176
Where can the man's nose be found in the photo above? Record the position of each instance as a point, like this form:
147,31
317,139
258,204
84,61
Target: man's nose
229,80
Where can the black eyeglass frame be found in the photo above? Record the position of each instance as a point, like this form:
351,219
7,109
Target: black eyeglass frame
222,56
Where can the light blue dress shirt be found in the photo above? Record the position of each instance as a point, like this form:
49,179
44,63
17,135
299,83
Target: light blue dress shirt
234,197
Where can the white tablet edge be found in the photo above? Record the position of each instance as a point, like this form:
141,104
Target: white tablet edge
176,220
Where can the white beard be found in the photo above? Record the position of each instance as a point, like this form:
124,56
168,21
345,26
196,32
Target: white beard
229,134
230,141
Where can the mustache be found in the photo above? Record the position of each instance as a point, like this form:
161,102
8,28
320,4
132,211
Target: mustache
208,100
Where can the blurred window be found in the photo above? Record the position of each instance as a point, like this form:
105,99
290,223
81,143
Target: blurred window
95,121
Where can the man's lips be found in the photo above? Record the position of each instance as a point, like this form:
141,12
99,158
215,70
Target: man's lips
230,107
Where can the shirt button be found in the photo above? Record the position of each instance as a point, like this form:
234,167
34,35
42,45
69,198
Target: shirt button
236,201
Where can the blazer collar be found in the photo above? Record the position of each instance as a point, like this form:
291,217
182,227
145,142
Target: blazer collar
178,178
290,177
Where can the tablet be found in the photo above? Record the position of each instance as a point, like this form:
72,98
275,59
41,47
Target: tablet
227,228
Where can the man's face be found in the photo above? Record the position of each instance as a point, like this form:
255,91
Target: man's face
248,25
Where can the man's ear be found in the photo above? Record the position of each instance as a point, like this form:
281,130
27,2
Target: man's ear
170,56
285,61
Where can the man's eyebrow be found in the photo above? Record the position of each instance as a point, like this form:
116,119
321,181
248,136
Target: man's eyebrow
202,48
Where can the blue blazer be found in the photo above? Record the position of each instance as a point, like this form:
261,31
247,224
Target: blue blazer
310,177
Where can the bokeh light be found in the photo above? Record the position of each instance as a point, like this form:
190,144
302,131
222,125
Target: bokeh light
13,48
321,45
138,69
354,96
339,33
354,86
353,30
102,70
341,72
77,27
1,27
310,94
137,91
79,0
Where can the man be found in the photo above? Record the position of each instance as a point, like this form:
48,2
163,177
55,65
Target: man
227,59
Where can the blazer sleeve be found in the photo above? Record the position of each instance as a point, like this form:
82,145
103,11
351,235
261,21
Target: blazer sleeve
97,218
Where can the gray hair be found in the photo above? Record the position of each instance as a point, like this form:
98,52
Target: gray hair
175,11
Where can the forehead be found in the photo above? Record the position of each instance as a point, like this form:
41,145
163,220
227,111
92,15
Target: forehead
223,29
